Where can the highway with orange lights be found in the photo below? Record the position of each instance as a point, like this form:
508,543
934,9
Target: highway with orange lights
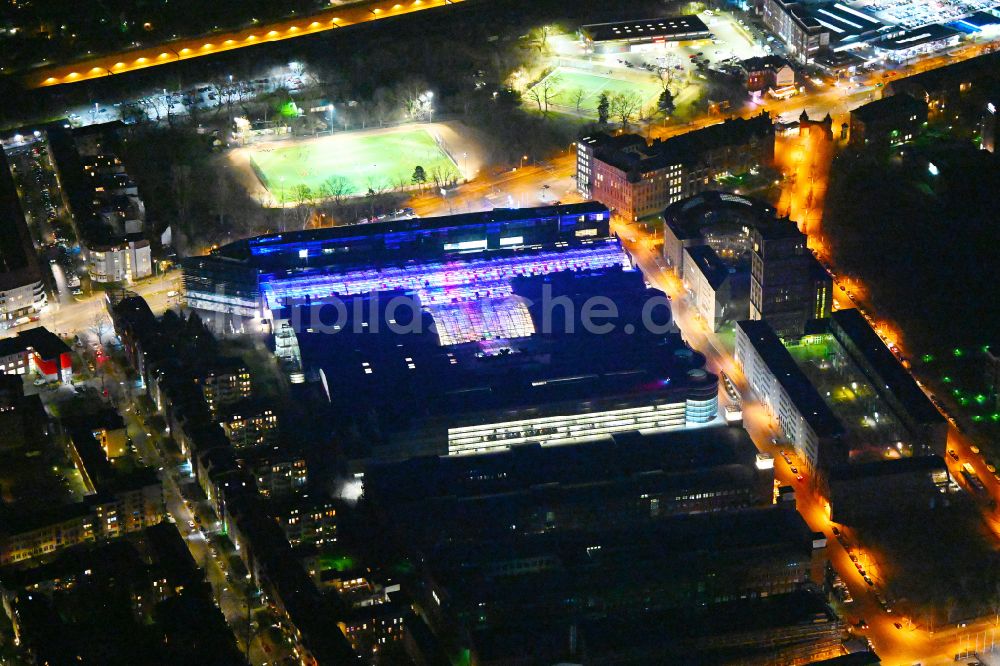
196,47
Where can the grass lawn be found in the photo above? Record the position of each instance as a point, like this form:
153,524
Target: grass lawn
365,160
595,84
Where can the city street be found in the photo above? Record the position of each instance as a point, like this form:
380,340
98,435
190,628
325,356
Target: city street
895,646
127,61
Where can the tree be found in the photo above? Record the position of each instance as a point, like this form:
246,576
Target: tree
304,199
383,106
665,73
419,176
603,109
545,92
624,106
666,102
412,97
336,189
578,97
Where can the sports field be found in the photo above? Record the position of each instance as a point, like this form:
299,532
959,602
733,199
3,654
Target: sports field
593,84
380,159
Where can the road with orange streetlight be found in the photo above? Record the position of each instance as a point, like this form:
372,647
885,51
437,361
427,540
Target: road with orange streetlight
911,642
195,47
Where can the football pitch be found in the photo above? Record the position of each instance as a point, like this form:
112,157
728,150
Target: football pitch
382,159
571,80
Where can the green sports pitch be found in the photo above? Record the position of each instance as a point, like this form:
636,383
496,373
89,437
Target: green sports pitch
380,160
593,84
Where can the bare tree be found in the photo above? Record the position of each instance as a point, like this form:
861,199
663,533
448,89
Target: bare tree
411,97
182,189
545,92
383,106
578,97
305,202
665,74
336,190
624,106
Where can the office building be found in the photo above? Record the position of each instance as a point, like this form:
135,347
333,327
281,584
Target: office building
888,121
635,179
723,245
866,493
22,294
563,384
943,88
802,33
788,396
536,586
927,428
720,290
788,286
907,44
257,277
622,479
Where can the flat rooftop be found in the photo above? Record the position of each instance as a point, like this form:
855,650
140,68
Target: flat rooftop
18,263
671,28
619,456
407,377
891,373
917,37
261,246
798,387
845,23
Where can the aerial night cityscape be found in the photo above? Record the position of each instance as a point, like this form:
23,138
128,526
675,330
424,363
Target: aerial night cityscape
500,332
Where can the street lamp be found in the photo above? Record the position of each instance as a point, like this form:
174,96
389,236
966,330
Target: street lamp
426,100
523,157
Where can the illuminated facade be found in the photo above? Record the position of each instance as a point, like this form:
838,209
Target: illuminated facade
252,277
562,384
788,396
635,179
226,383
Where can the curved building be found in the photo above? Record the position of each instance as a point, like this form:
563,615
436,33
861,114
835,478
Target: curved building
717,243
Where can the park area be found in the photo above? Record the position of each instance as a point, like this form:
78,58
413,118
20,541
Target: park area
572,85
350,164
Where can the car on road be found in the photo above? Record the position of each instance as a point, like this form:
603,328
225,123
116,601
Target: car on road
795,470
870,582
974,448
953,455
897,625
190,524
836,531
991,467
861,624
800,478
